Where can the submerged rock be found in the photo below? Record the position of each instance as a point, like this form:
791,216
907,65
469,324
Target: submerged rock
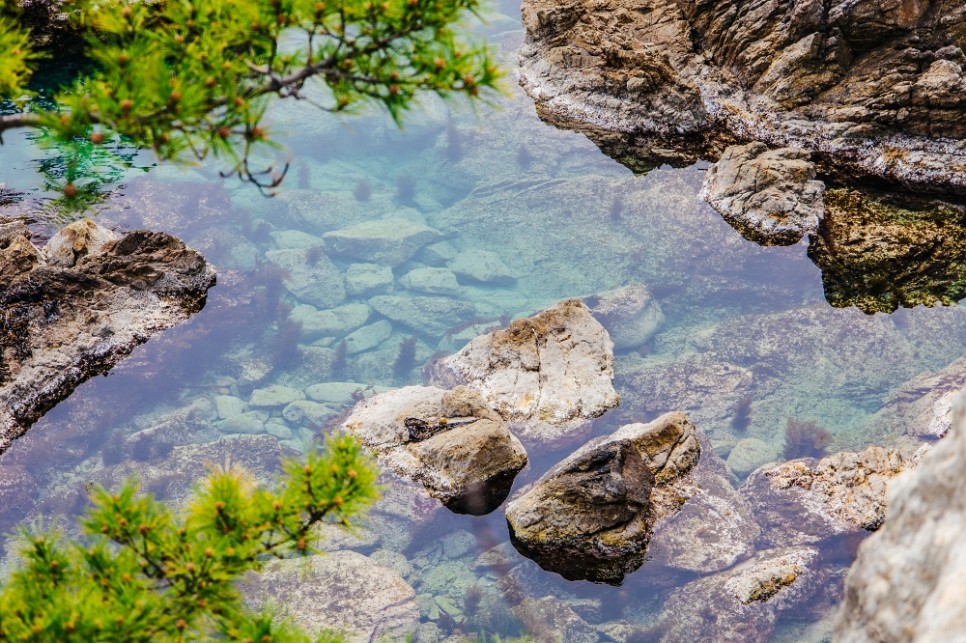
384,241
67,321
742,603
311,278
805,501
589,516
769,196
449,441
906,583
702,523
631,315
339,591
546,375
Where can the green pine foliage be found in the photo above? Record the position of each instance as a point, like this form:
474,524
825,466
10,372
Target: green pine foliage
191,78
147,573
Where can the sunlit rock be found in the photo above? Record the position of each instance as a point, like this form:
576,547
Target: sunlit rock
546,375
805,501
449,441
907,582
769,196
869,87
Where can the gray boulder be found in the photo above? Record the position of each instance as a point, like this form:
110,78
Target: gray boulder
547,375
449,441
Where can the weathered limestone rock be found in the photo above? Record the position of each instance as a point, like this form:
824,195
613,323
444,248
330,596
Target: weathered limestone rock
906,584
339,591
383,241
546,375
804,501
870,87
631,315
769,196
742,603
449,441
65,323
588,517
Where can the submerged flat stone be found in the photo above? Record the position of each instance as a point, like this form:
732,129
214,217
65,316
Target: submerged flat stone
385,241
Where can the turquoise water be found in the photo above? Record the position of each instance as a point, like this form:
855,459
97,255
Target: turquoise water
561,220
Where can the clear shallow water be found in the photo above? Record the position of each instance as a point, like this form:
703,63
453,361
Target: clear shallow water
740,321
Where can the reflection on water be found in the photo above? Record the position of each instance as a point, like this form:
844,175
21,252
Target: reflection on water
492,216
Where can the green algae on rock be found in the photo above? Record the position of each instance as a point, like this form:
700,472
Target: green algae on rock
878,256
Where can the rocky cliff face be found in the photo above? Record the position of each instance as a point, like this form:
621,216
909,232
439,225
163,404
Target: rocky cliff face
867,87
77,306
906,584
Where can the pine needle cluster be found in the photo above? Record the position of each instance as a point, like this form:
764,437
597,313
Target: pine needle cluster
190,78
147,573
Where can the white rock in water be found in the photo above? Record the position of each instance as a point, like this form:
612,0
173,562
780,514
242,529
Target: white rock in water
547,375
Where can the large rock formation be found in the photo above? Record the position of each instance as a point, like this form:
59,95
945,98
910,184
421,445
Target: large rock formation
547,375
75,308
872,87
906,584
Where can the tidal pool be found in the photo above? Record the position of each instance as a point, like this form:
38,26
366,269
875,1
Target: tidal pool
531,215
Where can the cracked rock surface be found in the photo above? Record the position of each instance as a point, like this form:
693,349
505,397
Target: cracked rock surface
769,196
869,87
73,309
547,376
